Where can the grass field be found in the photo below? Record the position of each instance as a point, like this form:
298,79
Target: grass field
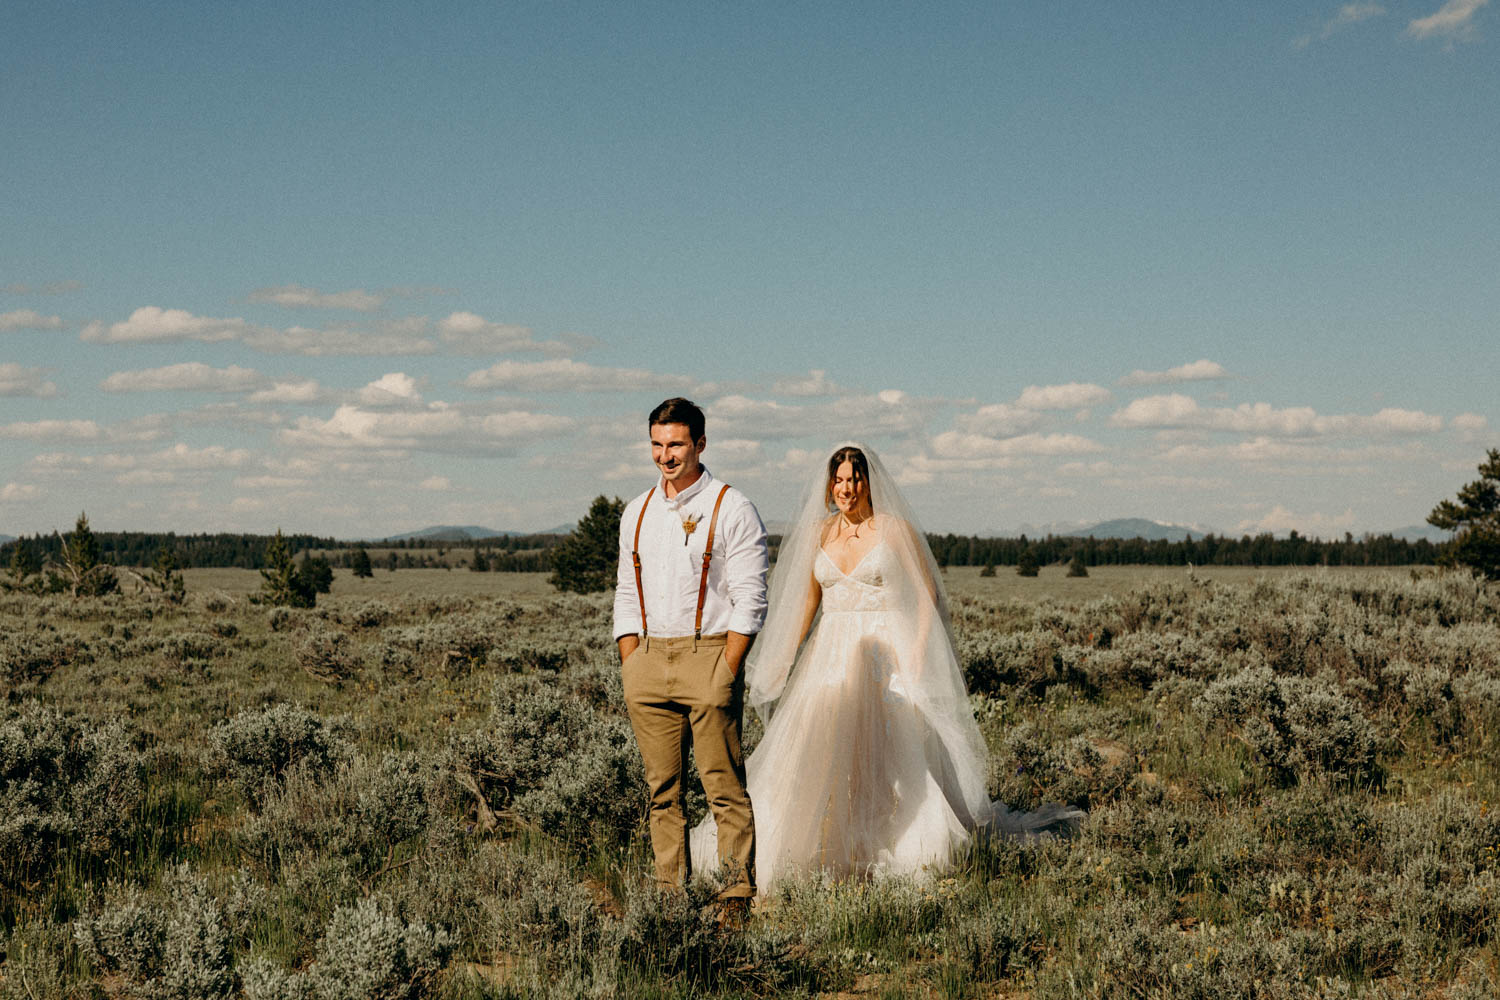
426,787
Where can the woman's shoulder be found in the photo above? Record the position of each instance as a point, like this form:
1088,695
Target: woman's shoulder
826,528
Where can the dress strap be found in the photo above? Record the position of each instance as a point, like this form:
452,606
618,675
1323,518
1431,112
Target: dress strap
708,554
635,557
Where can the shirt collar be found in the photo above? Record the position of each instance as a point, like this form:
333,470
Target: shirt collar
686,495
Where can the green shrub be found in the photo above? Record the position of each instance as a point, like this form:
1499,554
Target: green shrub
1297,726
325,654
32,654
177,948
258,749
554,761
367,952
63,782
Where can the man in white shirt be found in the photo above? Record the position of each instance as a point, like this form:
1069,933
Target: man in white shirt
689,601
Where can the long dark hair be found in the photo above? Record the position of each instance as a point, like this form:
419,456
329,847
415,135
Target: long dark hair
857,462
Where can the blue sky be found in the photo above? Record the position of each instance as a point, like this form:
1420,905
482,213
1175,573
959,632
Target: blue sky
358,268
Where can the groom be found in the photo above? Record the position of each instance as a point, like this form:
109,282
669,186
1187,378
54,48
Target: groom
690,598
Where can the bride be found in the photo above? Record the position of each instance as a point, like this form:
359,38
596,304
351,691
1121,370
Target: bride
871,760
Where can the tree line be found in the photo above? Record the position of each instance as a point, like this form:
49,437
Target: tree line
514,553
1209,550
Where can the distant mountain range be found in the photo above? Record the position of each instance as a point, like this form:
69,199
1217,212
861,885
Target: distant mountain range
1139,527
468,533
7,538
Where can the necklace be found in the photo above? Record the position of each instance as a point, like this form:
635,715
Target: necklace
852,525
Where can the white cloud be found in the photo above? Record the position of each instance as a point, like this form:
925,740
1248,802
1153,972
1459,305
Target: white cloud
1454,21
1071,396
814,383
999,420
952,444
339,342
16,380
1348,14
193,376
468,333
888,412
183,456
566,375
443,429
392,389
11,492
292,391
28,319
52,430
1471,427
151,324
1177,410
1193,371
1280,521
297,295
268,482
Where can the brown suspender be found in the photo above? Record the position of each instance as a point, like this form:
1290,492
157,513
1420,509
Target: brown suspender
635,557
708,555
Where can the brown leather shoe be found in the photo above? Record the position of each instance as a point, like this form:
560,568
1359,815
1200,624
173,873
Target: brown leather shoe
731,914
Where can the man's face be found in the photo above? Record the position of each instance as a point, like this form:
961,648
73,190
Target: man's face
676,453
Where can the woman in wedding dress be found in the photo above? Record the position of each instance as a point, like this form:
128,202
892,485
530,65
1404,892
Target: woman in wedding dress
871,760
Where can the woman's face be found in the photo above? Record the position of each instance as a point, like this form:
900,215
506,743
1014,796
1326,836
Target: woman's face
848,489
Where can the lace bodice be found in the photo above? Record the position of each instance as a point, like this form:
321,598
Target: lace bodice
861,589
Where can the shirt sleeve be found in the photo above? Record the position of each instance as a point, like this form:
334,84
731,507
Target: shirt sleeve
746,561
627,602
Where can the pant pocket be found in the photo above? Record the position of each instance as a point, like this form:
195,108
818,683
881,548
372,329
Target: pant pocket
720,682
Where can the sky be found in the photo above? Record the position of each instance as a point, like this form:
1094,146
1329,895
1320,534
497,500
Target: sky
356,269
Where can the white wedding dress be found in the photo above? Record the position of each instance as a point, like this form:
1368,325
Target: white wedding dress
871,762
850,777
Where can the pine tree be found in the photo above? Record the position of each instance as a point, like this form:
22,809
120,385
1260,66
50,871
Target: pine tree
1027,564
86,575
1475,519
480,562
23,561
316,573
360,563
281,584
166,577
585,561
1076,566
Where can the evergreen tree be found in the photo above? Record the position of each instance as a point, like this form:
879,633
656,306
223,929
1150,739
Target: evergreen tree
481,562
316,573
989,570
281,584
166,577
360,563
1027,564
391,562
1076,566
585,561
86,575
1475,518
23,561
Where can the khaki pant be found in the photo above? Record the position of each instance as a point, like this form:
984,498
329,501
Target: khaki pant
679,694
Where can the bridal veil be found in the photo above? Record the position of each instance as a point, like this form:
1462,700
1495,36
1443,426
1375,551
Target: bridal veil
927,675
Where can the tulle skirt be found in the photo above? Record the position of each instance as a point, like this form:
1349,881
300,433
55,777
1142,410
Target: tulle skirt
851,777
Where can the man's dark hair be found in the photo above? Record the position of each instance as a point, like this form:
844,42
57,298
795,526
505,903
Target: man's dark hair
679,411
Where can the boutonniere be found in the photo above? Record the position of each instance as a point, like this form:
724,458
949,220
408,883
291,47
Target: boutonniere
689,525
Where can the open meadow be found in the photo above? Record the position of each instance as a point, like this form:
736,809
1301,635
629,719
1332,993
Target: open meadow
427,787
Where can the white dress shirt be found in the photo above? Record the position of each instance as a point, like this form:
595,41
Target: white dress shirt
672,563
